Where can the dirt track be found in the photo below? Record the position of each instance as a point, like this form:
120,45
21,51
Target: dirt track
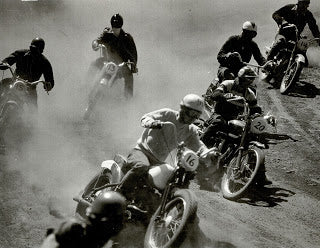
64,153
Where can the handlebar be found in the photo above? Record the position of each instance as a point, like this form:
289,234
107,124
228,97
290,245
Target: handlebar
236,98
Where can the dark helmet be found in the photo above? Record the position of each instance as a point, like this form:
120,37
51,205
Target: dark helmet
116,21
109,206
37,43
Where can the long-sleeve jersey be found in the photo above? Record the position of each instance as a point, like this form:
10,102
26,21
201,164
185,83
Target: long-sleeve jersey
229,110
30,67
123,45
290,14
158,143
246,49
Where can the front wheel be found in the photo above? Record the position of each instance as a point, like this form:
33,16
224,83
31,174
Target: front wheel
169,229
100,179
290,77
236,181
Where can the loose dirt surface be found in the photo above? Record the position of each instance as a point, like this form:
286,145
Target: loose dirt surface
37,185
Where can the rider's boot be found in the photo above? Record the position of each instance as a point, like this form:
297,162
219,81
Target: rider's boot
262,179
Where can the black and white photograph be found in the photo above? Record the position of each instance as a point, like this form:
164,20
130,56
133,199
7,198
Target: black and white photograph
159,124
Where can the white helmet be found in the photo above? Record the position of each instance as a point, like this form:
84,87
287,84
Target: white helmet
194,102
250,26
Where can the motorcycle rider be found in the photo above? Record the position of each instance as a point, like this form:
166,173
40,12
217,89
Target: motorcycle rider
31,64
155,145
121,47
299,15
292,19
238,49
105,219
225,111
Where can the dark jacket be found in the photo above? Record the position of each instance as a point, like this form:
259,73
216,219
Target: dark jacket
246,49
76,233
123,45
290,14
30,67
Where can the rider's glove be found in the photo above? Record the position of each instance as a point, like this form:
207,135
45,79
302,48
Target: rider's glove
234,57
271,120
156,124
268,66
134,68
47,86
228,95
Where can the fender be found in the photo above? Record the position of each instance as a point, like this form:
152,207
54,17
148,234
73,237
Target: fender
7,105
300,58
115,169
257,149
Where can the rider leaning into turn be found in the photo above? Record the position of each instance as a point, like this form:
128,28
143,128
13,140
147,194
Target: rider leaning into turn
31,64
156,142
292,18
224,111
238,49
105,219
121,47
299,15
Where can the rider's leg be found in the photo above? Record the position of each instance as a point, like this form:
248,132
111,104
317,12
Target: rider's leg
262,178
128,83
135,171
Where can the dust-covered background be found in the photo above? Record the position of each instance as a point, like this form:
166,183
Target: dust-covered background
177,43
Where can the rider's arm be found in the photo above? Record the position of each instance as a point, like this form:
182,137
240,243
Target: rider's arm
313,25
105,36
280,15
257,54
131,49
227,47
156,117
48,73
253,102
13,57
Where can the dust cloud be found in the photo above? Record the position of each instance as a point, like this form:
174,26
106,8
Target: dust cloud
177,43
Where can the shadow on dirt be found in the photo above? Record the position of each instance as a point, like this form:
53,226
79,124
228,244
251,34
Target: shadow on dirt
197,238
304,89
301,89
275,138
267,196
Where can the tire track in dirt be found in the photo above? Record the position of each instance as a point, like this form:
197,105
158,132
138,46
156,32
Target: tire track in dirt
277,103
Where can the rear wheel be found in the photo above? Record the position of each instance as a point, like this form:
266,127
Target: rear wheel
102,178
290,77
169,229
236,181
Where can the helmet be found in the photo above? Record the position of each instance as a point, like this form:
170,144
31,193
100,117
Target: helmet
37,43
116,21
108,204
193,101
250,26
248,73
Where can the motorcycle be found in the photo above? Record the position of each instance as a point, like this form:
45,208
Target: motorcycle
241,147
169,202
287,66
15,101
105,80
